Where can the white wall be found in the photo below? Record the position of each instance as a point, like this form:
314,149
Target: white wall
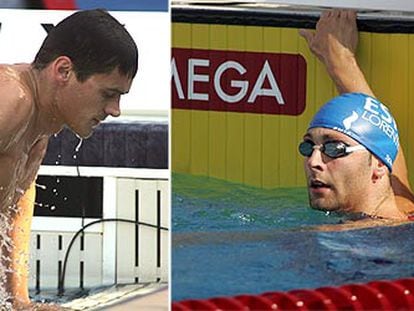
21,35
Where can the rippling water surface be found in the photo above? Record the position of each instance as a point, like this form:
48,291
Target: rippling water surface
230,239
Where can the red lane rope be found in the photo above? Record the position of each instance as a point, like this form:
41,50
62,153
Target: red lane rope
376,295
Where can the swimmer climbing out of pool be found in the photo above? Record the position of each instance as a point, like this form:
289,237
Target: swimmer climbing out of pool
334,172
84,65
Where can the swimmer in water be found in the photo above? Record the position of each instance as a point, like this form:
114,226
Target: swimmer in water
353,162
349,148
84,65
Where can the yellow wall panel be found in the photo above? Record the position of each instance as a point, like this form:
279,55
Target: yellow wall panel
236,38
253,149
199,142
399,80
271,123
270,152
217,144
253,122
199,120
380,72
217,120
287,147
218,37
235,147
311,105
181,142
261,150
254,39
364,53
235,121
200,34
181,35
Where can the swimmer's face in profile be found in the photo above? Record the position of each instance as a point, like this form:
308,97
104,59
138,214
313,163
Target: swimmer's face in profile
336,182
89,102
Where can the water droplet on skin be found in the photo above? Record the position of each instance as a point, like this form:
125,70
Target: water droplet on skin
6,243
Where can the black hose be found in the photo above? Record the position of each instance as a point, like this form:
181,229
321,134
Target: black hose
61,285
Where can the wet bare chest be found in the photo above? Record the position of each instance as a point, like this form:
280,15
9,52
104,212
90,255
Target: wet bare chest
19,167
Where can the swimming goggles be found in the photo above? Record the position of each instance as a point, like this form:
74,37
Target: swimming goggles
333,149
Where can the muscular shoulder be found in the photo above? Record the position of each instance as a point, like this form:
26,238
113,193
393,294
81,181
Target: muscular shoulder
16,107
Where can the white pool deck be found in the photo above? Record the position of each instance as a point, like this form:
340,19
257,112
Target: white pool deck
151,297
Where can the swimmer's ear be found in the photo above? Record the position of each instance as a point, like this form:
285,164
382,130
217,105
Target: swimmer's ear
380,170
62,68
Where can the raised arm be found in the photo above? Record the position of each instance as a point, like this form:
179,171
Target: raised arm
334,42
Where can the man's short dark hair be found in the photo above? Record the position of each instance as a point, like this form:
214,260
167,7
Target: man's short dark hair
94,41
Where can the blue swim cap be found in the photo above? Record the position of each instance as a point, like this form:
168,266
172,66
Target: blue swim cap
364,119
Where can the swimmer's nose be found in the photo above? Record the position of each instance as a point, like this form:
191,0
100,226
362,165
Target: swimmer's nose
113,109
315,160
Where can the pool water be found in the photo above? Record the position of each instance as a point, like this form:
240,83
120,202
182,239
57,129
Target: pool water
97,298
207,204
52,296
231,239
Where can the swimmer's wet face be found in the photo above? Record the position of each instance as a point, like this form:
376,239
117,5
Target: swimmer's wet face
92,60
83,105
336,184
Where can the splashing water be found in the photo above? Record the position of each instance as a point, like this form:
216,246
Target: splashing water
39,204
79,144
77,148
57,162
6,247
43,187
